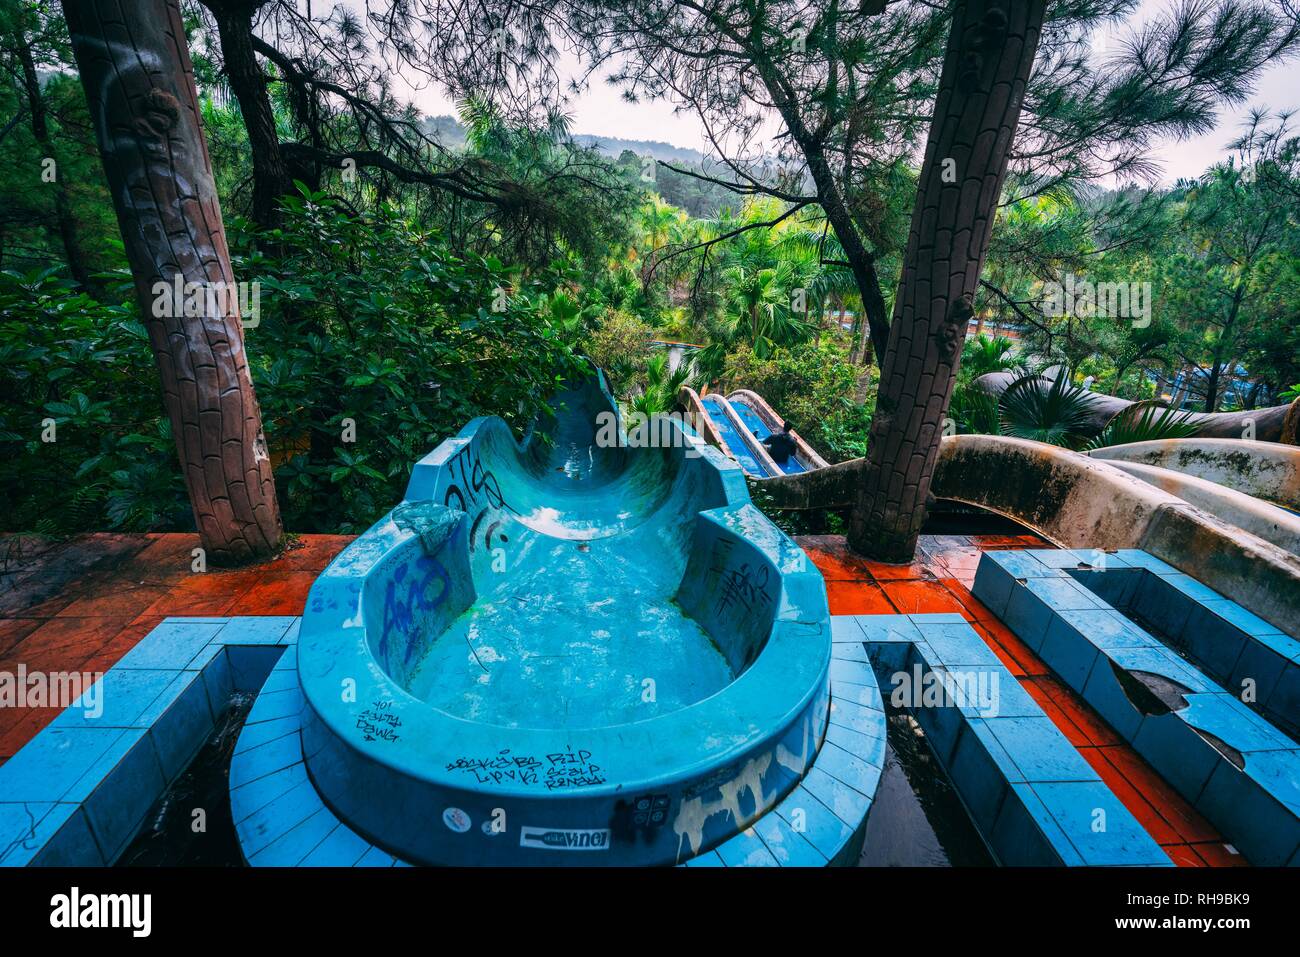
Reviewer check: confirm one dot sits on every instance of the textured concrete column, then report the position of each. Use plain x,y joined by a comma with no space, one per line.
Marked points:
981,90
139,81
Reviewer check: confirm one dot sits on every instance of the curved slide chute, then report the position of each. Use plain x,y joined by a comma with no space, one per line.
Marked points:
739,443
738,423
1279,423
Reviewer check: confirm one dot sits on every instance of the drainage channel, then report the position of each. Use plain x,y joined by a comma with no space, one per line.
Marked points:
190,824
917,819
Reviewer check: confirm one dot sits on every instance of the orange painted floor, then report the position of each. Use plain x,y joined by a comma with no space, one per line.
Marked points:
939,580
81,604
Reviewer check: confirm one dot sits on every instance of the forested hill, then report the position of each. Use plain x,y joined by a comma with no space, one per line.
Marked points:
449,131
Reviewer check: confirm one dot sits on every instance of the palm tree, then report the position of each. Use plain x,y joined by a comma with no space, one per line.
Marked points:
985,354
661,386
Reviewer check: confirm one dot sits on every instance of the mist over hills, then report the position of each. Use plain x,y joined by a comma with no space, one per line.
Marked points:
448,131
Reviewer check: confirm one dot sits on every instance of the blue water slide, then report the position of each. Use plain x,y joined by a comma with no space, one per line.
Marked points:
752,421
740,443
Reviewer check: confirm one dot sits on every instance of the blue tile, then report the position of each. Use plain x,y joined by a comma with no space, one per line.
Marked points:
377,858
847,803
1116,586
1192,588
956,645
260,828
255,630
1060,557
1179,754
1027,615
1161,661
1140,559
254,735
1214,644
992,585
1106,628
284,680
746,849
1233,723
179,723
48,766
26,828
942,726
707,859
853,672
1099,827
845,767
845,628
343,847
1259,665
275,704
1062,594
1104,693
172,645
887,628
1040,751
867,721
1260,825
1284,699
1165,607
816,822
1020,564
980,777
1068,653
259,793
119,790
265,759
845,651
787,847
71,844
1026,834
1008,698
288,661
1245,620
251,664
123,696
293,845
867,697
861,746
218,683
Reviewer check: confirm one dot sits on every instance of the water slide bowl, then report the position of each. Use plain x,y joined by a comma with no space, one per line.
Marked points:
564,651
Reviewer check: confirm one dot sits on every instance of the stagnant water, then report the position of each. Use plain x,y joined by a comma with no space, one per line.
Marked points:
571,644
917,819
173,833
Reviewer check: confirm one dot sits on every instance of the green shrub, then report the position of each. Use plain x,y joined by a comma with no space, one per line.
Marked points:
369,329
827,399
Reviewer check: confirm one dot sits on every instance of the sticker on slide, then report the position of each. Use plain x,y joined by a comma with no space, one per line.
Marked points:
564,839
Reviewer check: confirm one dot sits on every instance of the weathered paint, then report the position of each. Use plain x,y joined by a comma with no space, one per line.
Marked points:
499,671
1266,470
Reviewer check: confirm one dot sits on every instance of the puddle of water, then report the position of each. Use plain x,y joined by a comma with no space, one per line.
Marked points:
917,819
168,837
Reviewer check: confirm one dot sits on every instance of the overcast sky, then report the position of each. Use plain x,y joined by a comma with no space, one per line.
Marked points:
601,111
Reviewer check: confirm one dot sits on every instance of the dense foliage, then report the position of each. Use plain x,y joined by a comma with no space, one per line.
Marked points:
464,275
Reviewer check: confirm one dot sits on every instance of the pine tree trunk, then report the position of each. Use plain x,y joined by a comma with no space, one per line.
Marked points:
271,178
990,52
136,71
69,235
